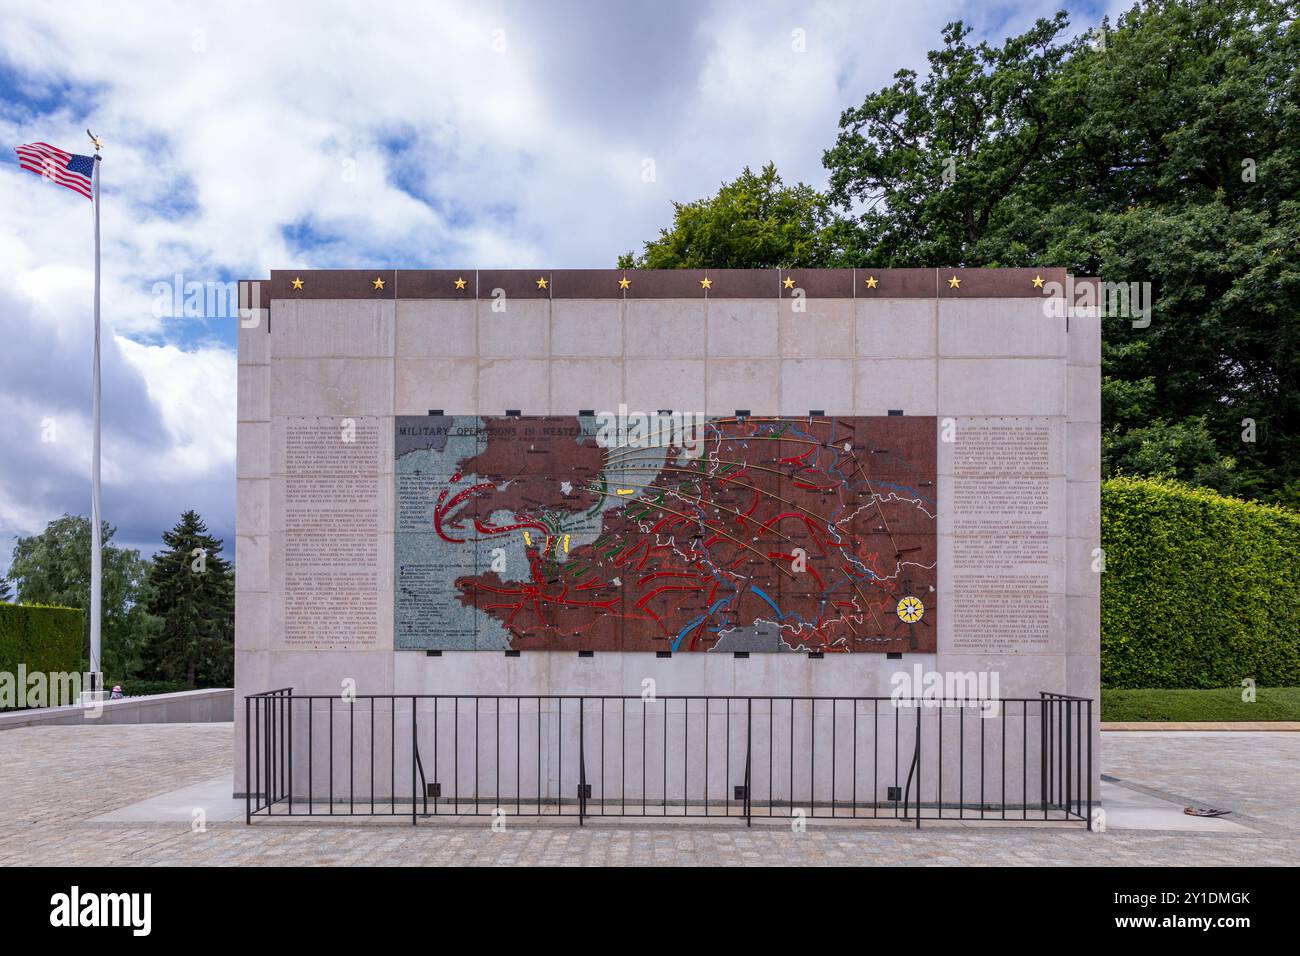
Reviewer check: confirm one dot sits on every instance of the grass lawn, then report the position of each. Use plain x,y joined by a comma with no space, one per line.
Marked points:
1271,703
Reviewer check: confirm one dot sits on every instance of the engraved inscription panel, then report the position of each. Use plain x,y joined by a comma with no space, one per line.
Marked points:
1002,509
331,542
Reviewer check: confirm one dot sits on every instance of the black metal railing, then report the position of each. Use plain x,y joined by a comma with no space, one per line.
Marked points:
583,756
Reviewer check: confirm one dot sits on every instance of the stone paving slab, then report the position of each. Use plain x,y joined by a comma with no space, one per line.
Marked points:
57,780
1252,774
1129,809
212,797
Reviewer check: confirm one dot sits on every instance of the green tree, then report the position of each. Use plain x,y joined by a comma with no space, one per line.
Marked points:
1164,148
753,222
192,592
940,171
1181,450
53,567
6,590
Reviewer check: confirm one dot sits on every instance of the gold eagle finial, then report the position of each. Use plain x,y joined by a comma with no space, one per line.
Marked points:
96,140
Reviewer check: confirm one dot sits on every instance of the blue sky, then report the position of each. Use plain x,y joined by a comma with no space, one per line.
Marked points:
242,137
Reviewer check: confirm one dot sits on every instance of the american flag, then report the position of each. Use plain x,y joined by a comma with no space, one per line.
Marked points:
58,166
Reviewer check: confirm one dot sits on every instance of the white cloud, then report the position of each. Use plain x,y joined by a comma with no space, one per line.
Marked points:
195,391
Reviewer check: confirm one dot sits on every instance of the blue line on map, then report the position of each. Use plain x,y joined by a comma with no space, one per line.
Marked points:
763,594
687,629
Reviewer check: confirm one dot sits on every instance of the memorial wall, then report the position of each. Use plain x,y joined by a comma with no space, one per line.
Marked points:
752,482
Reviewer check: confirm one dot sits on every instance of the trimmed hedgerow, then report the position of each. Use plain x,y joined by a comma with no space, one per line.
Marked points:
1199,590
138,687
45,639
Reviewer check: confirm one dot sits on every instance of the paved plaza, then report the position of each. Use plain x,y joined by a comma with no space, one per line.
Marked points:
124,795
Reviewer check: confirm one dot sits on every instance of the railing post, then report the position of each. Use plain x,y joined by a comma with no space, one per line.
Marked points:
413,753
248,763
749,749
1042,751
918,765
1089,731
1068,748
582,762
289,744
268,728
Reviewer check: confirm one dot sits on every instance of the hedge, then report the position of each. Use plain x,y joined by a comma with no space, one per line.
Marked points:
45,639
140,687
1199,590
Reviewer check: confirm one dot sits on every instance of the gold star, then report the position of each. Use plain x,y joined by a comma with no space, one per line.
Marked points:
1037,281
460,283
872,282
297,282
954,283
541,282
706,283
789,283
379,283
624,282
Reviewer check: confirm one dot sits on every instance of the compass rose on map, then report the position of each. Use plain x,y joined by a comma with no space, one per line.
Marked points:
910,610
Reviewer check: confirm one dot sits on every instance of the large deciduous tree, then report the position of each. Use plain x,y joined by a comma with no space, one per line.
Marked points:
941,170
1164,148
754,222
53,567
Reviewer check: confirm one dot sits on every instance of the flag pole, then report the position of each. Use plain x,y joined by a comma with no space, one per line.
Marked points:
96,545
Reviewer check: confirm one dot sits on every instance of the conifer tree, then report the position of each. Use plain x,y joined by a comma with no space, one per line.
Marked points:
192,592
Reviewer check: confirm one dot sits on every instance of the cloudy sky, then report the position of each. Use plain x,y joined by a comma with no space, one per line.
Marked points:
245,137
